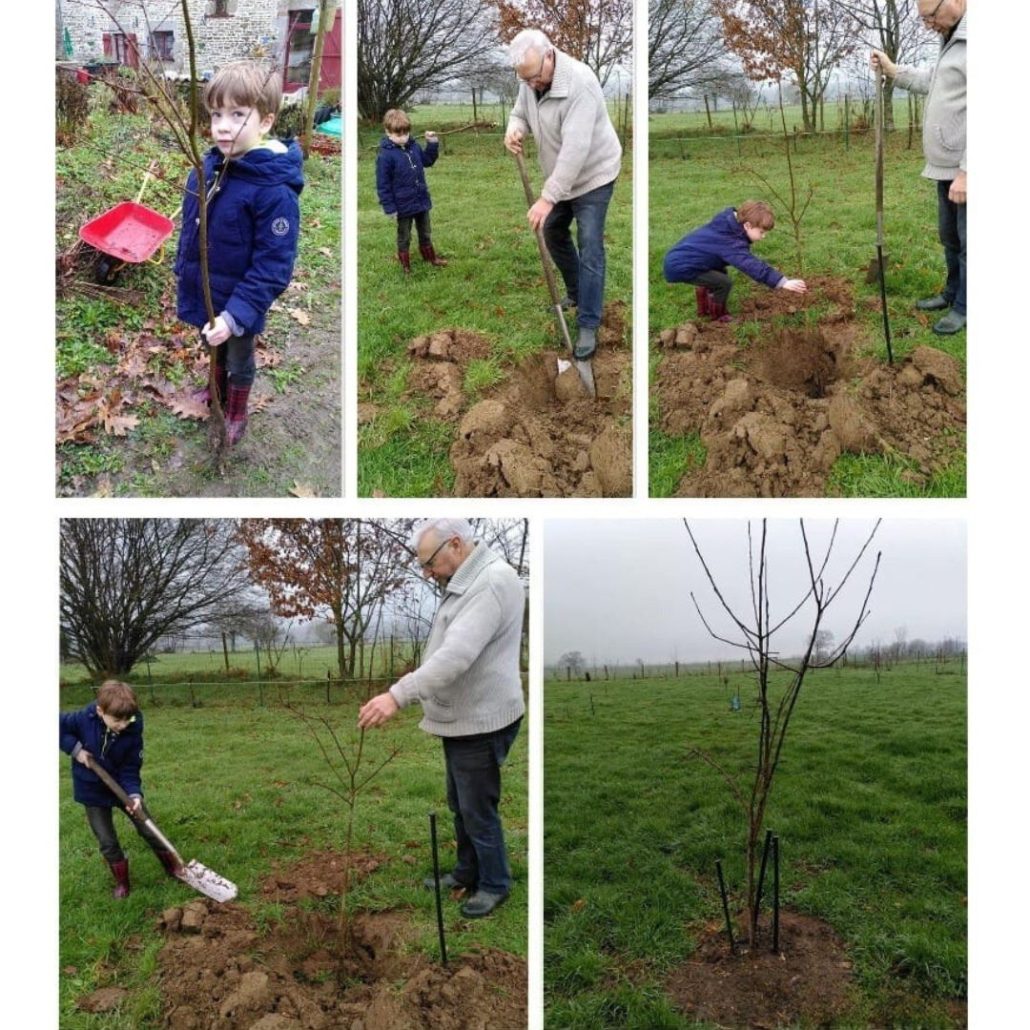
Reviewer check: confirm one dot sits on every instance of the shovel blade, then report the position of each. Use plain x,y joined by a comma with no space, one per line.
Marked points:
207,881
586,373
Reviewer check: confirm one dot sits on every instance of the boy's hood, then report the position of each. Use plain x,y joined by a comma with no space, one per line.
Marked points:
388,144
267,166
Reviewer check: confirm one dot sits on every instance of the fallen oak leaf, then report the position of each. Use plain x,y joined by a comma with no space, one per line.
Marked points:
300,489
260,403
186,405
301,316
119,425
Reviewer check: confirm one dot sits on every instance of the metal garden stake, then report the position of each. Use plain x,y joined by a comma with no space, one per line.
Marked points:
776,894
436,883
761,876
725,906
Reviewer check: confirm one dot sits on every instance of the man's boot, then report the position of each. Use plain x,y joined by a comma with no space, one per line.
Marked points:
481,904
717,310
586,343
702,296
236,413
430,255
120,870
404,257
170,862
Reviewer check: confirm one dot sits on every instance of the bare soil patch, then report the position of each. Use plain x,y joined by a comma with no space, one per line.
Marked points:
807,983
220,971
776,415
538,434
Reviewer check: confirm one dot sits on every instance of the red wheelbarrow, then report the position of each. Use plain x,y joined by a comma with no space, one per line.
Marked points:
128,233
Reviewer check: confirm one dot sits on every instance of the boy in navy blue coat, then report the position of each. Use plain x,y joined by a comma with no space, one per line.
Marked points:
401,183
701,257
253,221
109,733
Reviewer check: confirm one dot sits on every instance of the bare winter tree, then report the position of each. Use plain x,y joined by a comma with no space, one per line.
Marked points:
125,583
685,47
407,46
778,681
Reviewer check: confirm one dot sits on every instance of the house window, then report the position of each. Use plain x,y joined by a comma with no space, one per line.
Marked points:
122,49
221,9
162,45
300,46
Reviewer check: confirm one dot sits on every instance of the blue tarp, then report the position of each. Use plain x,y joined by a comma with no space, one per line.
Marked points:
333,127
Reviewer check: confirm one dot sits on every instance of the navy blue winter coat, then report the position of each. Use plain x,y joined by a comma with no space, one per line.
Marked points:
723,241
253,224
401,176
121,754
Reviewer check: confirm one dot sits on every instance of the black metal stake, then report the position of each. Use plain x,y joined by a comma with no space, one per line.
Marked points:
776,894
436,882
725,906
761,878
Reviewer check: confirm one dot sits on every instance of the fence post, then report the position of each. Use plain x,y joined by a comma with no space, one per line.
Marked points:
736,133
847,134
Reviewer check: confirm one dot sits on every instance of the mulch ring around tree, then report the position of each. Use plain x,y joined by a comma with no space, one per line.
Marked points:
220,970
808,983
537,434
774,416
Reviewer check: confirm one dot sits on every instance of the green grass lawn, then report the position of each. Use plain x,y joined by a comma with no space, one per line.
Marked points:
95,331
692,181
493,285
869,803
233,786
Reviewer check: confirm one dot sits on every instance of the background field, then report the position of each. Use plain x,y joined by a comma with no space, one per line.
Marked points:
694,174
870,805
231,783
493,285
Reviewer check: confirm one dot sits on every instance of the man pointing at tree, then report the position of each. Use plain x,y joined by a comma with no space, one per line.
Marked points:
471,695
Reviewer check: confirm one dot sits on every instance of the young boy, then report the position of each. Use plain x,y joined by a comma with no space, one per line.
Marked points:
109,733
401,183
701,257
253,219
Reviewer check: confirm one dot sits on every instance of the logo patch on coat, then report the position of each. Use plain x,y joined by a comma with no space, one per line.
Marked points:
280,227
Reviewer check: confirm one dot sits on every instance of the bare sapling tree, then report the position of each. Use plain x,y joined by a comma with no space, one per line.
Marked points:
755,632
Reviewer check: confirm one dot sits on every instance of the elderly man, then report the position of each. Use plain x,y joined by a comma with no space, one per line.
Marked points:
560,102
944,146
471,695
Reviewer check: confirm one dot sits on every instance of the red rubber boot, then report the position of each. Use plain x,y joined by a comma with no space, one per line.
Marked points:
702,296
404,257
236,413
121,878
171,864
717,311
430,255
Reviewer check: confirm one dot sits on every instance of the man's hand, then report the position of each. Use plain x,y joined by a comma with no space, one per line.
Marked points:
83,757
957,189
216,332
879,61
795,286
538,213
377,711
513,141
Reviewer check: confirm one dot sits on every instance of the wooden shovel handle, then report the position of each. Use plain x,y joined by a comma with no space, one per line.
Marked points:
545,259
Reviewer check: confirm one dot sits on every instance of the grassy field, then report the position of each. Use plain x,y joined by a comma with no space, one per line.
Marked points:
117,344
690,181
870,805
232,786
493,285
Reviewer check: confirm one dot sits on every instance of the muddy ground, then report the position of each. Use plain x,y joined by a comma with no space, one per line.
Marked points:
775,415
537,434
219,970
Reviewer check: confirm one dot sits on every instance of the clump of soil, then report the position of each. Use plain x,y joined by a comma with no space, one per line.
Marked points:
808,982
538,434
219,971
774,417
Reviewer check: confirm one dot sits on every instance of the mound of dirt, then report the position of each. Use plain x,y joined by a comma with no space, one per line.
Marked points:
808,982
538,434
774,417
219,971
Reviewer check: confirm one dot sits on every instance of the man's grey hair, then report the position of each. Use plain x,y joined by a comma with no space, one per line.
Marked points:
526,40
444,530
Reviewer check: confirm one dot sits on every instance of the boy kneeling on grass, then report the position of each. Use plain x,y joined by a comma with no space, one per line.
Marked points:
253,220
109,733
701,257
401,184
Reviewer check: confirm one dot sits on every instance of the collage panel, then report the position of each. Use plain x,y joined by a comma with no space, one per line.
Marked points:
755,773
330,805
494,250
807,249
198,330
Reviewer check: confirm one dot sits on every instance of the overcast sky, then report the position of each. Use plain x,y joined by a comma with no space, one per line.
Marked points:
619,589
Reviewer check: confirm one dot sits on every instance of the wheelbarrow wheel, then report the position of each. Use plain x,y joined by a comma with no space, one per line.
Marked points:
106,271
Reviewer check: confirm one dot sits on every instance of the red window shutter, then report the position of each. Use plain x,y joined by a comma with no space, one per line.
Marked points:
108,46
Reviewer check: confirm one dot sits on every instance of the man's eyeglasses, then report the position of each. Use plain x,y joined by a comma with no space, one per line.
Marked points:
928,18
543,61
427,565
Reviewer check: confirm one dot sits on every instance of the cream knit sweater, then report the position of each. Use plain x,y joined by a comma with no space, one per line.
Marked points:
469,681
577,144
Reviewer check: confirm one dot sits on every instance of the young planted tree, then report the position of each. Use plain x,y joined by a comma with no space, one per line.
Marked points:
778,680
